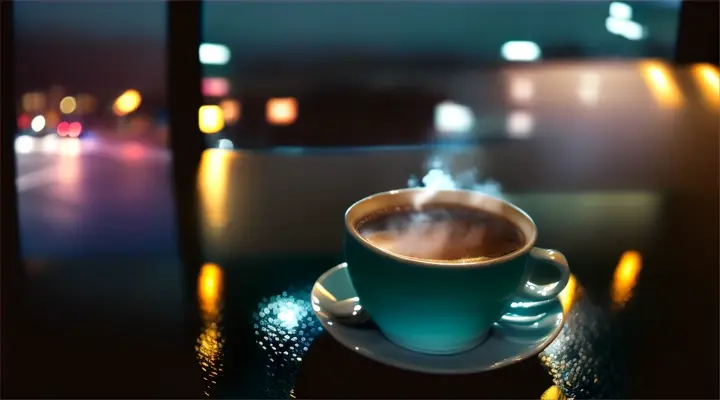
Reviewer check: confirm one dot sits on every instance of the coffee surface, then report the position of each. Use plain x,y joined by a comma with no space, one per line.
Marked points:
442,233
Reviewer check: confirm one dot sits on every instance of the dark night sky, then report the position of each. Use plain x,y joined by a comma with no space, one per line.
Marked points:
106,46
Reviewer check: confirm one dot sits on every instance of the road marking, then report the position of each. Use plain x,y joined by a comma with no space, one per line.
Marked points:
36,179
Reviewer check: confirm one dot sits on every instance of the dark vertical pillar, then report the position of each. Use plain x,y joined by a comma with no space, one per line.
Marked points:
184,98
698,39
12,273
12,279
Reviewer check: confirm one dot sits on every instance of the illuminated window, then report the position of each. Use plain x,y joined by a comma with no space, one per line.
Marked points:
281,111
210,119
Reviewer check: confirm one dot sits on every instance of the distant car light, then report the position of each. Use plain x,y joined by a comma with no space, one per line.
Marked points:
38,123
74,129
63,128
128,102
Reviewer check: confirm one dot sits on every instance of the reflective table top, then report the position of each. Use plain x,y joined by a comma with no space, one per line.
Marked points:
620,173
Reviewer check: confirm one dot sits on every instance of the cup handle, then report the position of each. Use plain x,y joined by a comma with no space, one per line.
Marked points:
535,292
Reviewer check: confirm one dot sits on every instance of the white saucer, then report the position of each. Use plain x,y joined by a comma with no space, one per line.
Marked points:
513,339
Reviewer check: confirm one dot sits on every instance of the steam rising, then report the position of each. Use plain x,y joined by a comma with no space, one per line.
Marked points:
436,233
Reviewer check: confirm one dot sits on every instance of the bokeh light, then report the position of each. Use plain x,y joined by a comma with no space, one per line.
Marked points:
24,144
520,51
62,128
210,344
210,119
74,129
451,117
625,278
214,54
68,105
215,87
226,144
23,121
128,102
707,78
520,124
284,327
662,84
38,123
231,110
281,111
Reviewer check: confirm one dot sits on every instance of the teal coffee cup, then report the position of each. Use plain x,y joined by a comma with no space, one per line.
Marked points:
444,307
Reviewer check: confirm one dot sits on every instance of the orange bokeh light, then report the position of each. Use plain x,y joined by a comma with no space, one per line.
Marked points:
281,111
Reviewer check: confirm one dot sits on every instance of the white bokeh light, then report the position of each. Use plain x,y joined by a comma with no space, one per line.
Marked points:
226,144
38,123
620,10
453,118
520,124
24,144
518,50
214,54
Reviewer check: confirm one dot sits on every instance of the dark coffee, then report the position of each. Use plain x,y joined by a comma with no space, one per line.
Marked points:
442,232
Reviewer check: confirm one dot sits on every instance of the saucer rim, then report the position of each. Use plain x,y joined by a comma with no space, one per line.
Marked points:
388,361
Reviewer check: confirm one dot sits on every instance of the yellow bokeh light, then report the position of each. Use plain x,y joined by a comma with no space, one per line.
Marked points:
231,110
213,180
707,78
210,119
282,111
210,343
128,102
662,84
68,105
210,286
625,278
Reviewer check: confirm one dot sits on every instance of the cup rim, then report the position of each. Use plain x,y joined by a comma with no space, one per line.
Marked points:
478,263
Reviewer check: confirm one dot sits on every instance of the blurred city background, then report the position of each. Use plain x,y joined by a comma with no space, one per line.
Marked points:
92,124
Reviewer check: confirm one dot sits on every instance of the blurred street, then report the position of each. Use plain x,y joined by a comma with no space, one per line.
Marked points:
88,196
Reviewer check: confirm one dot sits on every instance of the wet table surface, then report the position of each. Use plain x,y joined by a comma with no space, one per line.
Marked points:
626,187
